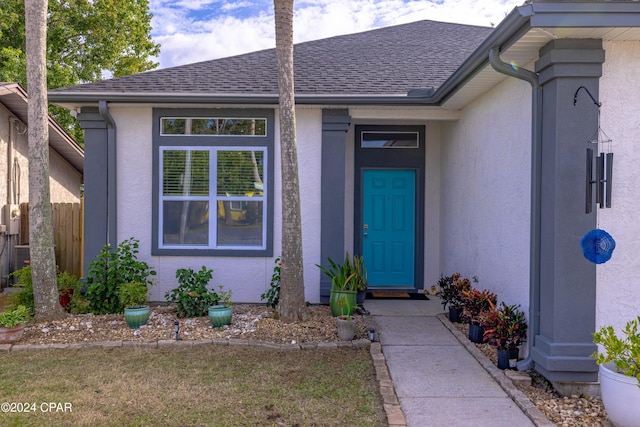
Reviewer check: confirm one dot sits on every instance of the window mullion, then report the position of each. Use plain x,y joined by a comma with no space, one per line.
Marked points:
213,198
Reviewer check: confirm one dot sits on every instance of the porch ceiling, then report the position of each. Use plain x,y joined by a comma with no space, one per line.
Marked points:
525,51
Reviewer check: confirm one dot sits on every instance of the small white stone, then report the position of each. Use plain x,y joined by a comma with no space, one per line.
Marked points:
72,328
45,330
293,341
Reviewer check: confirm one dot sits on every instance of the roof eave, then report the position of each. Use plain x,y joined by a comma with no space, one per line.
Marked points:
59,139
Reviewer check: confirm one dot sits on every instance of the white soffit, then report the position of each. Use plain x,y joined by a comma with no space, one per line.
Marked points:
525,51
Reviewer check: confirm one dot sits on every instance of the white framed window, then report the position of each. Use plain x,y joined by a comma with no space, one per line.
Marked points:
212,197
212,191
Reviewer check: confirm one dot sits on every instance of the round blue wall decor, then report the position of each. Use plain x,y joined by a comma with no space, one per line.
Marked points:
597,246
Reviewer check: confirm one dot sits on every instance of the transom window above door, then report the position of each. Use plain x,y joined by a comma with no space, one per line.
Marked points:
380,139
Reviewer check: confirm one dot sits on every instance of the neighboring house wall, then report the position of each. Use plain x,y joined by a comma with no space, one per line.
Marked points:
618,298
65,182
485,200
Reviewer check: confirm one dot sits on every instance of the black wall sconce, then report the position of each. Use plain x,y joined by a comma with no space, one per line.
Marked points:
603,168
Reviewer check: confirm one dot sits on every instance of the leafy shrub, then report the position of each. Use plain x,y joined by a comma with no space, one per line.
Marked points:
272,295
475,302
25,295
451,288
192,298
12,318
623,352
109,269
132,294
505,327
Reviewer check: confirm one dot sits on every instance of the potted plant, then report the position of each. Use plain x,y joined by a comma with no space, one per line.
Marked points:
343,285
133,295
505,328
12,324
475,302
345,323
68,286
620,372
221,312
451,288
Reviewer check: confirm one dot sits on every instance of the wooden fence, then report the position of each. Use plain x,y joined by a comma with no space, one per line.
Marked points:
68,232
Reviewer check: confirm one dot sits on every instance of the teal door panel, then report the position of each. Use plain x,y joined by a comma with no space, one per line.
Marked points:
388,227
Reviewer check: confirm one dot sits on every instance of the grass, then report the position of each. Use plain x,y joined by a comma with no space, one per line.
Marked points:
197,386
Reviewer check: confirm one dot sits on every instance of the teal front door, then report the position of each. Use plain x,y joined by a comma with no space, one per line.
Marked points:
388,227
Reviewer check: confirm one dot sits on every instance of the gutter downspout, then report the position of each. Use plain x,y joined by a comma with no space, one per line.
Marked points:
112,235
536,179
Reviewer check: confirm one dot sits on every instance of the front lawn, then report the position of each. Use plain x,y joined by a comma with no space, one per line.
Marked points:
204,385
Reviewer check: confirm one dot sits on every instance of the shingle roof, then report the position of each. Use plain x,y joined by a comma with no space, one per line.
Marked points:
390,60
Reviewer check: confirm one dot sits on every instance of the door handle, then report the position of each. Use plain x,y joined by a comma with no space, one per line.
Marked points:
366,234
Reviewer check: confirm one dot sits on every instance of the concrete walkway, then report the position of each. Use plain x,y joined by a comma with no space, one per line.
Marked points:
437,379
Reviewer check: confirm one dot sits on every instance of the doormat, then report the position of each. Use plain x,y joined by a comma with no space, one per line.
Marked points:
396,295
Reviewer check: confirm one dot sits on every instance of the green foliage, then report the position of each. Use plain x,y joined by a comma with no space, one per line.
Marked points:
451,288
25,295
360,272
192,298
64,281
111,268
272,295
505,327
84,39
12,318
78,304
67,280
350,276
132,294
623,352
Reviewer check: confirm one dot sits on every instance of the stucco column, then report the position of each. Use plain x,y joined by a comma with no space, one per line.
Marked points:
95,183
335,124
562,348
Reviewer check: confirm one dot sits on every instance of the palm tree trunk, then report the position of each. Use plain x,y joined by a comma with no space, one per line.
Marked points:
292,301
43,265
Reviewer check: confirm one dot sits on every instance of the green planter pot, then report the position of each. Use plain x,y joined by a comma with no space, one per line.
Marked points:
136,316
339,300
220,315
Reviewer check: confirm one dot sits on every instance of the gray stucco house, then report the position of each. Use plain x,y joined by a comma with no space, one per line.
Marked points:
428,147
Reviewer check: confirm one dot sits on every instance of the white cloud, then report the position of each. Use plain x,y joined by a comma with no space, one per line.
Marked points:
197,30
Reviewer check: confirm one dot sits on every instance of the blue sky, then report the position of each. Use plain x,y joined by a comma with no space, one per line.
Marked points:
198,30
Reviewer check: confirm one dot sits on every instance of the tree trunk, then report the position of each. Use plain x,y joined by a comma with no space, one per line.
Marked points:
292,301
42,256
